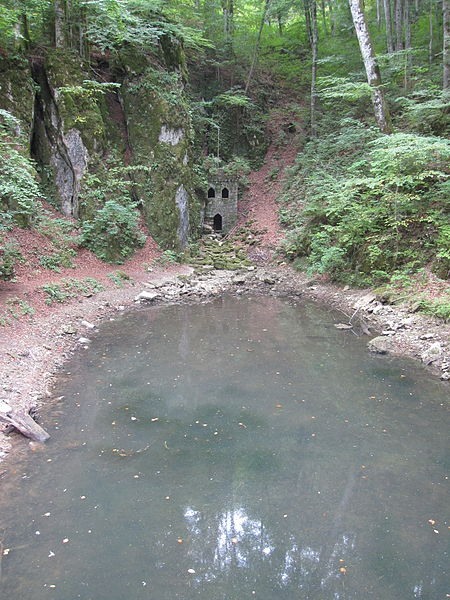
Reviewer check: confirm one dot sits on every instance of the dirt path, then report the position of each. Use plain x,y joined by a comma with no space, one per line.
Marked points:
259,203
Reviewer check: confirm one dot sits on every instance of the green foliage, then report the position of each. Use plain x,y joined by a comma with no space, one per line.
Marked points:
55,261
359,209
119,277
168,257
18,306
113,233
70,288
9,255
19,190
343,88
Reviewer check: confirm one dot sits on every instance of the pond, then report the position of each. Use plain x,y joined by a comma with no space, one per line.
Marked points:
242,448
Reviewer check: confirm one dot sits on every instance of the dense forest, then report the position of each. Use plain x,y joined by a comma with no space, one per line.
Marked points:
116,112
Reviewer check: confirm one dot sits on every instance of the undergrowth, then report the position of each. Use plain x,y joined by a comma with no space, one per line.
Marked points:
361,206
70,288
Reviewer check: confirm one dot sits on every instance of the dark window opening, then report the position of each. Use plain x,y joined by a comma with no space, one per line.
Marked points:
225,193
211,193
217,222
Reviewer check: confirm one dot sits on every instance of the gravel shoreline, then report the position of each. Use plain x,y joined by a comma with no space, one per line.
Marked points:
33,353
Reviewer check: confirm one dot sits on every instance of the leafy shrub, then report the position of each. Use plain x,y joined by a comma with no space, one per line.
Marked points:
19,189
168,257
118,277
69,288
360,209
17,307
54,261
9,255
113,234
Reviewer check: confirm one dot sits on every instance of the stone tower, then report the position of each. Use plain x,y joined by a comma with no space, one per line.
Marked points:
221,203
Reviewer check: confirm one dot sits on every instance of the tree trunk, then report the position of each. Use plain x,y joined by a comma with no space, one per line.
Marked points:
430,42
408,55
228,20
21,420
387,18
446,45
315,39
324,16
398,24
257,45
378,14
307,11
381,110
332,18
59,23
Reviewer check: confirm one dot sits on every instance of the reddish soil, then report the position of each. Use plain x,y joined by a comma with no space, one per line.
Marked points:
260,201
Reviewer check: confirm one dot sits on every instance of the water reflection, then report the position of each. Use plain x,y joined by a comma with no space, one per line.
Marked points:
273,459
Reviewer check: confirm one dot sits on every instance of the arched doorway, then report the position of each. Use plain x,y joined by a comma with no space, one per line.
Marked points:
225,193
217,222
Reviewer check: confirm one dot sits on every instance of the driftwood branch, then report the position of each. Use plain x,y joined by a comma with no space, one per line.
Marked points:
23,422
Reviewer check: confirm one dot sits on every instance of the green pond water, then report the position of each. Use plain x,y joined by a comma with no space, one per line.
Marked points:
232,450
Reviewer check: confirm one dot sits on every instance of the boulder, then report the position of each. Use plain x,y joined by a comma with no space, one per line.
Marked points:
381,344
147,296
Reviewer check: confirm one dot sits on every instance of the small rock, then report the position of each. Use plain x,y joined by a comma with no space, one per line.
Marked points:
445,376
251,268
407,322
364,301
147,296
68,329
381,344
432,353
388,332
376,309
87,324
239,279
83,340
426,336
343,326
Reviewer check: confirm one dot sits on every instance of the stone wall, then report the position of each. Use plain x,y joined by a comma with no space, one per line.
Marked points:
221,206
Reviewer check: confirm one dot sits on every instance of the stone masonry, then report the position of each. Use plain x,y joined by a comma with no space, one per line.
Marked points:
221,203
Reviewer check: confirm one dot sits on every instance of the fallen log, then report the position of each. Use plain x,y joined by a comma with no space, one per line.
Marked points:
23,422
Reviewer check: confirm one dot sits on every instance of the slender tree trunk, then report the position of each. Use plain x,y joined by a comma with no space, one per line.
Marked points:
430,25
307,10
332,18
324,16
315,40
280,22
381,110
378,14
228,24
388,20
408,55
398,24
59,23
257,45
446,45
